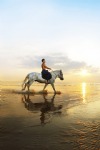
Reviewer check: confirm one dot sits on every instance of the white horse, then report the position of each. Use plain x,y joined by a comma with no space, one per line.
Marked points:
34,76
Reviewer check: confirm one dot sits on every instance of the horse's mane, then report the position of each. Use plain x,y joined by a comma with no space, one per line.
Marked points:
55,70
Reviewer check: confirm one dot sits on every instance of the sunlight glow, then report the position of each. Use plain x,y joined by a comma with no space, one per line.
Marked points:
84,72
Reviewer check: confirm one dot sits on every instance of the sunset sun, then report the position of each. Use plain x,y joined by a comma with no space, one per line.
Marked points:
84,72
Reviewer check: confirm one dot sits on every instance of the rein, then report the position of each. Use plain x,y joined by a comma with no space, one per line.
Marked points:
53,72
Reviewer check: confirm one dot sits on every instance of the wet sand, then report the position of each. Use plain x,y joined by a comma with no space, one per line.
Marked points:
66,121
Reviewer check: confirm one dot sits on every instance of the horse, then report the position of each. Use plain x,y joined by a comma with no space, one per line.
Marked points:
34,76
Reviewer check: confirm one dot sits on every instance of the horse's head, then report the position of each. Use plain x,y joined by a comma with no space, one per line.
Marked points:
60,75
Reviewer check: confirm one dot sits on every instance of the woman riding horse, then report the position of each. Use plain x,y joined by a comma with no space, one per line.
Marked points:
45,73
49,77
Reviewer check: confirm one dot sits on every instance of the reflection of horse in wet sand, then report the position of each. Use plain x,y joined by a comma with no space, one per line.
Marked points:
34,76
45,107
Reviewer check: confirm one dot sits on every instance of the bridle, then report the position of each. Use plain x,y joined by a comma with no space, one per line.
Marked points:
54,73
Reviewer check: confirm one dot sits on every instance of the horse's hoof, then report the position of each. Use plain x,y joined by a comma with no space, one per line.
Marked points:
44,92
57,92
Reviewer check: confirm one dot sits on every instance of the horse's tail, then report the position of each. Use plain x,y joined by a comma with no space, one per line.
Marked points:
26,78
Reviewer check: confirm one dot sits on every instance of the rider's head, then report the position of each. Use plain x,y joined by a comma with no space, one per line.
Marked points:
43,60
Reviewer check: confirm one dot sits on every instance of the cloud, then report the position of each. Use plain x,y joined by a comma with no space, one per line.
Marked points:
55,61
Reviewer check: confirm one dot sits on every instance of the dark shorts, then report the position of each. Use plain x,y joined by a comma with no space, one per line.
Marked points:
46,75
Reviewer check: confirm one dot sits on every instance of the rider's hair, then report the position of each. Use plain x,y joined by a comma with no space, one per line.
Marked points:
42,59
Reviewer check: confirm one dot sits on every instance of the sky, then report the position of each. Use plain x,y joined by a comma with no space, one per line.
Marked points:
64,32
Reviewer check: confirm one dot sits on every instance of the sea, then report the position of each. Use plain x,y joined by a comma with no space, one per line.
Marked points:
67,120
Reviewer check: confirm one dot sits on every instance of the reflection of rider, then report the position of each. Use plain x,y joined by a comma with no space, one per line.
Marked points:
45,74
45,107
49,106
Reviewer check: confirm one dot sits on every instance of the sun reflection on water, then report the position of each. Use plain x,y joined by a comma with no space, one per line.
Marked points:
84,92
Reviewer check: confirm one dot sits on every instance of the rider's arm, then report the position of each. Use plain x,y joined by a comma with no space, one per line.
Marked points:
46,67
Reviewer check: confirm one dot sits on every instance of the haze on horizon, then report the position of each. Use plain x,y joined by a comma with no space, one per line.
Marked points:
65,33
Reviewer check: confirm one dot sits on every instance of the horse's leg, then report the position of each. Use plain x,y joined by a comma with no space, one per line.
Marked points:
45,86
28,84
24,86
52,84
28,87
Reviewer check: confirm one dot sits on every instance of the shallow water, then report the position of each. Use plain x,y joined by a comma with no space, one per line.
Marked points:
66,121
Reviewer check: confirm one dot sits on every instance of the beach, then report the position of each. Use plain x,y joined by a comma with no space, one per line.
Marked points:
66,121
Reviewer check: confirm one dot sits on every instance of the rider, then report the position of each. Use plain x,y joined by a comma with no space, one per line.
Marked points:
45,73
